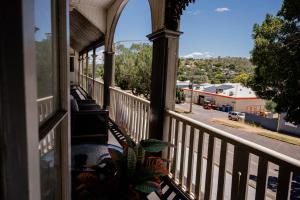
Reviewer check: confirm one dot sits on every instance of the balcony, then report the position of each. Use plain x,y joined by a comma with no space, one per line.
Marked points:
205,162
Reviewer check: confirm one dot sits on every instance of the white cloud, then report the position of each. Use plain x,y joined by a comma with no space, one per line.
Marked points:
194,13
199,55
221,10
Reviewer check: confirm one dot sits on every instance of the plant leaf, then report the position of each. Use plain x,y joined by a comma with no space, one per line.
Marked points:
131,161
148,187
153,145
140,154
156,166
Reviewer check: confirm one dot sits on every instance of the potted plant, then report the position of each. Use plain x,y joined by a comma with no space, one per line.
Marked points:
140,167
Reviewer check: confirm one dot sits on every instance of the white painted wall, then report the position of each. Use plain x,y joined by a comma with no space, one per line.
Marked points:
239,105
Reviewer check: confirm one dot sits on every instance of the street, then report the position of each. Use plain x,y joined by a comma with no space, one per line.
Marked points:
206,116
203,115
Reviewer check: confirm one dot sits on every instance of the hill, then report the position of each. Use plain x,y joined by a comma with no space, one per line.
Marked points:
215,70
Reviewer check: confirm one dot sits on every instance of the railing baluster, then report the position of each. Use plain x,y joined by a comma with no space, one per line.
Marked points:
136,121
123,101
199,165
239,185
148,121
209,168
117,100
190,161
284,183
169,140
140,121
143,121
182,155
222,170
128,115
124,112
261,178
131,116
176,135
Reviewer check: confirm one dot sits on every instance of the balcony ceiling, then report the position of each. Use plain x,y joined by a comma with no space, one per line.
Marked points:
83,33
95,3
88,20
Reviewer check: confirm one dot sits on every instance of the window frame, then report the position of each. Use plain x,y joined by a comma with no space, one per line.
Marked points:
18,107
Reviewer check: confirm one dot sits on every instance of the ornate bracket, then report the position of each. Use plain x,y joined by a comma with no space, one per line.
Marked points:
174,10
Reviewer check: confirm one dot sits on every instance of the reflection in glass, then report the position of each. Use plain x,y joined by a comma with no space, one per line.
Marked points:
45,59
48,167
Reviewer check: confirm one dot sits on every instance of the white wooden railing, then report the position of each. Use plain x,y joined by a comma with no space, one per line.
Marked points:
131,113
45,107
83,82
98,92
209,163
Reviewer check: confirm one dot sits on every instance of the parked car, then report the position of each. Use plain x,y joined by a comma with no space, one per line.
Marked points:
236,116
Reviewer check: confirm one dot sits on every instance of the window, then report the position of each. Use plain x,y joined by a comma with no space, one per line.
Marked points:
46,33
46,59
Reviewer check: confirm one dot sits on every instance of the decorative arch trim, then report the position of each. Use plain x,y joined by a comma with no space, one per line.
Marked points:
113,15
174,9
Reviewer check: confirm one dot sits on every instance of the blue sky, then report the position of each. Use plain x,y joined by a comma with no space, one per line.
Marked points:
211,27
42,18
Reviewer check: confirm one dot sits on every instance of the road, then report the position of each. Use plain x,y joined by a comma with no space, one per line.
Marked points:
205,116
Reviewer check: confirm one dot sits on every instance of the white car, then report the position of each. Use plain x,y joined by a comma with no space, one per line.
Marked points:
236,116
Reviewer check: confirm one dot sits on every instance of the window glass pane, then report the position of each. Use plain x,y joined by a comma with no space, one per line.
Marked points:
45,42
49,166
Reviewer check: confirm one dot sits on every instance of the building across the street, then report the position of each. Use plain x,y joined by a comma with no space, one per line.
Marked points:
234,95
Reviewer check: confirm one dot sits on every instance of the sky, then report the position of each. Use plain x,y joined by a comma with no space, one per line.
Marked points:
210,28
42,18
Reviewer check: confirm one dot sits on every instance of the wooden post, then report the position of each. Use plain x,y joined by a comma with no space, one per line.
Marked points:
82,68
163,79
108,78
94,66
79,68
87,72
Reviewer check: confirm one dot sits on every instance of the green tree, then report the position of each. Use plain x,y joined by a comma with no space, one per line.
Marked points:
277,56
271,106
99,71
45,69
133,68
242,78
